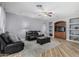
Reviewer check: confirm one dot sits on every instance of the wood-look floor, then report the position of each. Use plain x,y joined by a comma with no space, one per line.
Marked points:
65,49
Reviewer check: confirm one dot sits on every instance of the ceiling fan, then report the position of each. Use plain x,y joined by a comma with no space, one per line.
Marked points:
46,13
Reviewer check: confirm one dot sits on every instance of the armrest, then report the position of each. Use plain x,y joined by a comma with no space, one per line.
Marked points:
16,46
41,35
18,42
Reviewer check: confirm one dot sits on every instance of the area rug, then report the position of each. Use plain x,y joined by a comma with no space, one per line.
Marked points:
32,49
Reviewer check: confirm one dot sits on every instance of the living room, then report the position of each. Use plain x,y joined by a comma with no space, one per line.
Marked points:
33,29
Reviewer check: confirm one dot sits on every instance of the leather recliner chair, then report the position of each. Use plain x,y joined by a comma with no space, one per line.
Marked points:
7,46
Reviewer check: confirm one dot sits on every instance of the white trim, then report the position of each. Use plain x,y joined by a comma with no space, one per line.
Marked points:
73,41
3,17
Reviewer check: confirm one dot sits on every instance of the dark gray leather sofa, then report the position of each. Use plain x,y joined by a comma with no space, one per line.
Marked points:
7,46
32,35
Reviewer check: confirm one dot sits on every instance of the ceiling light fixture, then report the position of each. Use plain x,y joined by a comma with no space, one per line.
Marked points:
46,13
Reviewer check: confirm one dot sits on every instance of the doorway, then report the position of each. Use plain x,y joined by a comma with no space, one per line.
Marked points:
60,30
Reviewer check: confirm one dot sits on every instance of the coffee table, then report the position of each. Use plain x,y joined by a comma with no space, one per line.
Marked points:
43,40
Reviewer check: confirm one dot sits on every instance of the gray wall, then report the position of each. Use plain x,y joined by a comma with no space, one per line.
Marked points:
15,24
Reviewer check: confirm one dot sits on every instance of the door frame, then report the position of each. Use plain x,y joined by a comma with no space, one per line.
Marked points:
3,19
64,31
67,27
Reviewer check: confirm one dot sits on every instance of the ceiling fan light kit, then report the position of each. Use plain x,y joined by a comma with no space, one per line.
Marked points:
48,13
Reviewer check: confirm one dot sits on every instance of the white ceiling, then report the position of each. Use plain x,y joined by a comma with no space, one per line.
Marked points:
61,9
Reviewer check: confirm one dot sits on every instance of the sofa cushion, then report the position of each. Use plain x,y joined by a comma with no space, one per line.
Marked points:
6,38
2,44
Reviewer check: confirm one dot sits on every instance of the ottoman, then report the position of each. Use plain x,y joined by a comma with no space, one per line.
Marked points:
43,40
